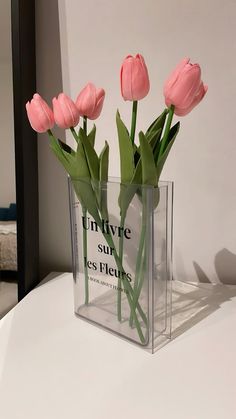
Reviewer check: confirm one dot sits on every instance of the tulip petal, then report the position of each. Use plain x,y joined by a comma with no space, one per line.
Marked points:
140,79
199,96
58,114
175,74
190,81
46,109
39,114
98,109
69,111
86,100
184,88
126,79
134,80
100,93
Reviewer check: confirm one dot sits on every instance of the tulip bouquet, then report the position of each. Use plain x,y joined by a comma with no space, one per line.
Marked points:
141,161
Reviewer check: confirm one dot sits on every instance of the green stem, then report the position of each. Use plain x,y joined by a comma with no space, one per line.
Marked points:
111,243
50,134
85,248
167,130
126,284
85,124
134,119
121,252
139,270
128,289
74,134
125,281
139,287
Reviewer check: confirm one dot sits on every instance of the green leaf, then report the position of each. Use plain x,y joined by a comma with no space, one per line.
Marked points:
136,156
128,191
93,165
80,168
103,178
92,136
86,196
137,178
60,154
156,152
157,124
66,147
173,133
91,155
149,176
153,138
82,182
136,153
104,163
126,151
170,141
76,166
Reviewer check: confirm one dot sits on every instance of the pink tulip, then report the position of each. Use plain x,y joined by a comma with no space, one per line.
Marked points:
134,80
65,111
90,101
184,88
39,114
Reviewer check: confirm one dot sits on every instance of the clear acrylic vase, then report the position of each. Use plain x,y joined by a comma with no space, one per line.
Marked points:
122,258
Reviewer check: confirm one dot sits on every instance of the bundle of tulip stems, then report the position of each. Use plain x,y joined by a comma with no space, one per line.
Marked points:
139,164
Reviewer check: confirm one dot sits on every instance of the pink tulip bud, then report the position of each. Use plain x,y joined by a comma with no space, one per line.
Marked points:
184,88
90,101
134,80
65,111
39,114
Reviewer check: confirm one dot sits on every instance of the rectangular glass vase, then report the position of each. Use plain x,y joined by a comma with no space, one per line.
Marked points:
122,258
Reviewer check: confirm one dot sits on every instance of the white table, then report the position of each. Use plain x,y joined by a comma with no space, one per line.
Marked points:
56,366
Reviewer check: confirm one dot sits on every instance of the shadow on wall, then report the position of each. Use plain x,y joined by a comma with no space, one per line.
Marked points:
193,302
54,227
225,266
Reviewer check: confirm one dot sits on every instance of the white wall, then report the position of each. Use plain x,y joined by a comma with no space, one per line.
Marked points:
7,150
95,37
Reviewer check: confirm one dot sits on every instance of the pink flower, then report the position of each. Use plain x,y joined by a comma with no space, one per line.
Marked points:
39,114
65,111
134,80
90,101
184,88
